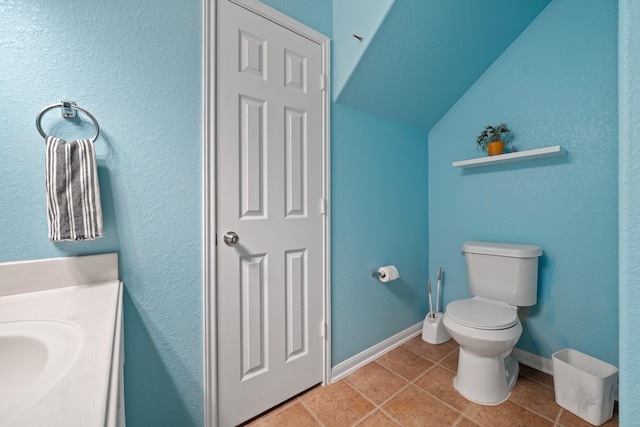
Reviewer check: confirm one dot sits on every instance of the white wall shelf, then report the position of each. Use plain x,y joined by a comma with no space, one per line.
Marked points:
518,156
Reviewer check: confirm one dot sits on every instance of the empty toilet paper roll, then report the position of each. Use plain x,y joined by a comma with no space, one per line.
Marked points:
388,273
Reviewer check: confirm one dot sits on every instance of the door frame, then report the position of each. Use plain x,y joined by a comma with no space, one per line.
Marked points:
209,251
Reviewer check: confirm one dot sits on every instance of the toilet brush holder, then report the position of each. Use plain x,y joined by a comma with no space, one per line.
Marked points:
433,331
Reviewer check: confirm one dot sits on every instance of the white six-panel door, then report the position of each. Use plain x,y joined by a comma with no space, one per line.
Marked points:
269,192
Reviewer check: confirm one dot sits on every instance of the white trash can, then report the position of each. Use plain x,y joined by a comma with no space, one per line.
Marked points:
584,385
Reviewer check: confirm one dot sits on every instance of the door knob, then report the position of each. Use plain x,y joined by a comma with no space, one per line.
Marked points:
230,238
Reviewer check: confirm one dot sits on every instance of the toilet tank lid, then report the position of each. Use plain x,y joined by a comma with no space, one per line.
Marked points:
502,249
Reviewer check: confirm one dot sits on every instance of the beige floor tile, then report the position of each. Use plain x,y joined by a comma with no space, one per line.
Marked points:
535,396
293,415
439,382
376,382
414,407
435,353
537,376
259,420
466,422
378,419
431,400
405,363
507,414
451,361
337,405
567,419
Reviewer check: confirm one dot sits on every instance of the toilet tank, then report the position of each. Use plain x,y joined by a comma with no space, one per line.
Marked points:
503,272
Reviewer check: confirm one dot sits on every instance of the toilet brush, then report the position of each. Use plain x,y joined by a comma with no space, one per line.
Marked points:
438,290
433,330
431,316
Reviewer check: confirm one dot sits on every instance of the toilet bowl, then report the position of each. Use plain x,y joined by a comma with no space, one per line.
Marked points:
486,331
502,277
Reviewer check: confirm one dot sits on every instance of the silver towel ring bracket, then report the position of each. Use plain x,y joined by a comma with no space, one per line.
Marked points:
68,108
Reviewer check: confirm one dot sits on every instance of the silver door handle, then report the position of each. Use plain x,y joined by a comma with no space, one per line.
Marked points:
230,238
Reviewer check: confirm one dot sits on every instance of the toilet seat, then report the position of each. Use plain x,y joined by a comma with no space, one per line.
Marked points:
481,313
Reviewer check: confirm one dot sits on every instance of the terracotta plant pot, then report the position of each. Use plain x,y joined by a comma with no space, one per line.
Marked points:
495,147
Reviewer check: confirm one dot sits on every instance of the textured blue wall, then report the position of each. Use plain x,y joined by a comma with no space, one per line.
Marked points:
137,67
379,217
629,110
555,85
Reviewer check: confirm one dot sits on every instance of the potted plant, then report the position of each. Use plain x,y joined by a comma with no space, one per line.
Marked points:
494,138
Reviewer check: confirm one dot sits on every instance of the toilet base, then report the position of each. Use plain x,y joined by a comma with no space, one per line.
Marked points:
486,380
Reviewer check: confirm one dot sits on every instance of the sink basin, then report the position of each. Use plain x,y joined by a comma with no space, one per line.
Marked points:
61,342
34,356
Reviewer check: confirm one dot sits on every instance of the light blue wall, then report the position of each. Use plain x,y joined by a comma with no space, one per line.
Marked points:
629,191
555,85
136,67
379,216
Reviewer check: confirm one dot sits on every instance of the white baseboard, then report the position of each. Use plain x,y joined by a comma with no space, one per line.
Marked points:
343,369
533,360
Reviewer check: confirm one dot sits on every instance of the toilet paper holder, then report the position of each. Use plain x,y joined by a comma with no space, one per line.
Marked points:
386,273
376,273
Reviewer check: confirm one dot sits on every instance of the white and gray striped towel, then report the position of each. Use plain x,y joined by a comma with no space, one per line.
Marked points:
73,192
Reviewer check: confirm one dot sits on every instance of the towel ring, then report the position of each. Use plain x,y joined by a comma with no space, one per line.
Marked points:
66,106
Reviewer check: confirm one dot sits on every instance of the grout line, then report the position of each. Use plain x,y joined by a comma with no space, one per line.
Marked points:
405,378
466,411
390,397
461,412
430,360
313,414
375,405
532,411
385,368
379,407
437,362
458,421
396,393
423,374
384,411
375,408
557,423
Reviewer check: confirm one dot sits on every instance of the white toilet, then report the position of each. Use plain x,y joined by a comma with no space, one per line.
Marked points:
502,277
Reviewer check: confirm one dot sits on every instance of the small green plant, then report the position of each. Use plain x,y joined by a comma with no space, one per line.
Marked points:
500,132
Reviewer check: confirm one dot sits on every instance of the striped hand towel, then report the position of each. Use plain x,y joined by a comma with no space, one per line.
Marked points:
73,193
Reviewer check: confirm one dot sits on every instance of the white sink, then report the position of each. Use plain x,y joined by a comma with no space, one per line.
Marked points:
61,343
34,356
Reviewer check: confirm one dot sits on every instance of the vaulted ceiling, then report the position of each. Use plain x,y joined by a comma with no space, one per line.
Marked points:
425,54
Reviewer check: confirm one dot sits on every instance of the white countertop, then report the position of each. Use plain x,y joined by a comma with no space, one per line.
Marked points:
80,396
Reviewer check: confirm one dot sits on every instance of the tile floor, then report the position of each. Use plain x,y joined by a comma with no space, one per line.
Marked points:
412,386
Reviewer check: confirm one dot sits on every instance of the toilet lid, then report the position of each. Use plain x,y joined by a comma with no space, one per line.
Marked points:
482,314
